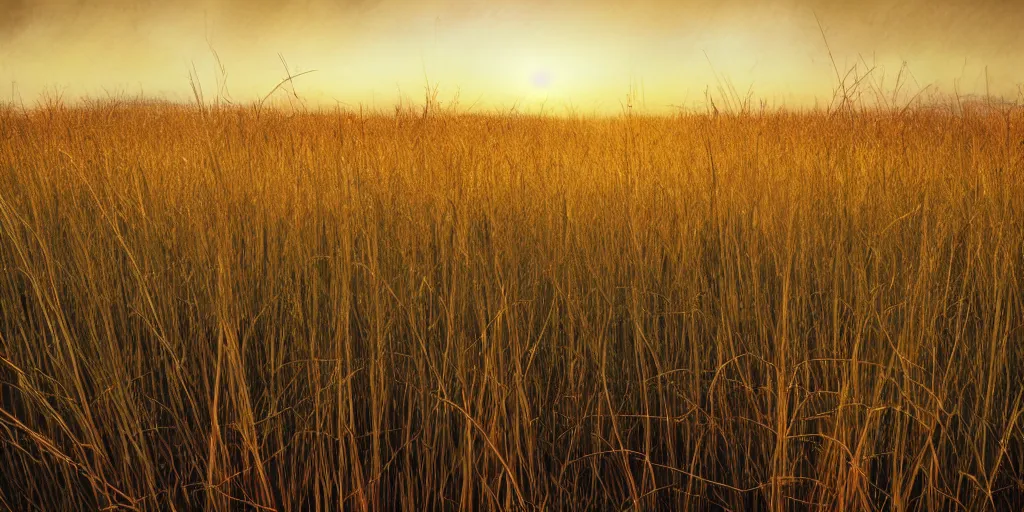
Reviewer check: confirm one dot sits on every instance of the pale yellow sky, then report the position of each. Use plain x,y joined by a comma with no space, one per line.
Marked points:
503,52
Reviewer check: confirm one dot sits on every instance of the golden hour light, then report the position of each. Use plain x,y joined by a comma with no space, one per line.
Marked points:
503,52
514,255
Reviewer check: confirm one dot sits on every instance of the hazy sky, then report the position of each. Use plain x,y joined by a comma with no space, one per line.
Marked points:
497,52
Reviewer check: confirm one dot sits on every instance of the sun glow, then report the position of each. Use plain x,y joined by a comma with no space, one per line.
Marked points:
541,78
526,53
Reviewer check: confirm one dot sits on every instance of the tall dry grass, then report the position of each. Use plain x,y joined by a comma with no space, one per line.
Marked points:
238,309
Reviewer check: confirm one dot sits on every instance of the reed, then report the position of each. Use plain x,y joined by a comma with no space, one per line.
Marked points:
235,308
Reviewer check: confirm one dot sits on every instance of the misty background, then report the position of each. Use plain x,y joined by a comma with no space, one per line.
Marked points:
496,53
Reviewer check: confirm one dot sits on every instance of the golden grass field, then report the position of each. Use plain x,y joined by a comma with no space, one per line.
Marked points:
233,309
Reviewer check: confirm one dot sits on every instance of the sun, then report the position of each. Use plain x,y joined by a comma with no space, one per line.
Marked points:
541,78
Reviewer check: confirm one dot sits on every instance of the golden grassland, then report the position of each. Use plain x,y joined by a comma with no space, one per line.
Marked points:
229,308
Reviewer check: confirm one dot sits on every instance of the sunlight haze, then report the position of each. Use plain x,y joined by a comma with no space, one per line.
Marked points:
495,54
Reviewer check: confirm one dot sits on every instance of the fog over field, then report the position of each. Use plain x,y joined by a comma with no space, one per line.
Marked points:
499,53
